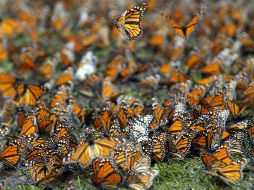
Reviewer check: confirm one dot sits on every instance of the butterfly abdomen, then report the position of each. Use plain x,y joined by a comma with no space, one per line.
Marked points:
184,29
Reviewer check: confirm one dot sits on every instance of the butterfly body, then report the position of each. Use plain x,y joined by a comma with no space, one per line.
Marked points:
184,30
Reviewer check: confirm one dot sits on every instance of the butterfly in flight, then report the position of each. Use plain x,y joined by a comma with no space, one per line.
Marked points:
185,30
129,23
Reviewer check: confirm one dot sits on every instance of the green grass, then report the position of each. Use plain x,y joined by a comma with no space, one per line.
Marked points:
183,174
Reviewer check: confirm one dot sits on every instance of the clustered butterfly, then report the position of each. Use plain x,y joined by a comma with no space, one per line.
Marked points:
111,118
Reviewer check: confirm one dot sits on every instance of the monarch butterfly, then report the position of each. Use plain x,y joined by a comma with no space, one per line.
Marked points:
122,114
184,31
37,149
28,17
129,23
107,90
114,67
24,141
43,116
156,146
151,81
10,155
220,164
138,128
129,158
79,112
10,26
21,117
136,108
198,127
195,94
210,140
236,143
199,142
104,174
239,126
214,101
7,118
230,174
65,78
176,128
213,138
157,40
29,127
234,109
165,69
104,121
28,93
182,145
225,134
193,60
130,69
206,80
26,60
116,131
92,80
62,140
3,52
221,156
7,85
46,71
60,97
141,180
248,96
86,151
169,109
45,168
212,69
159,115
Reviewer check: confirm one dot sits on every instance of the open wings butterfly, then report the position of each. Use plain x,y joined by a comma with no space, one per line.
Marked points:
185,30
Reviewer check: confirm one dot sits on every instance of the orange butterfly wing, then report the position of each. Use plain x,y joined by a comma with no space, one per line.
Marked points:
177,27
11,155
191,25
7,85
104,175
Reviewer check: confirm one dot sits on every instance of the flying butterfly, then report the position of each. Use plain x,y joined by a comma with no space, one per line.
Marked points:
129,23
186,30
